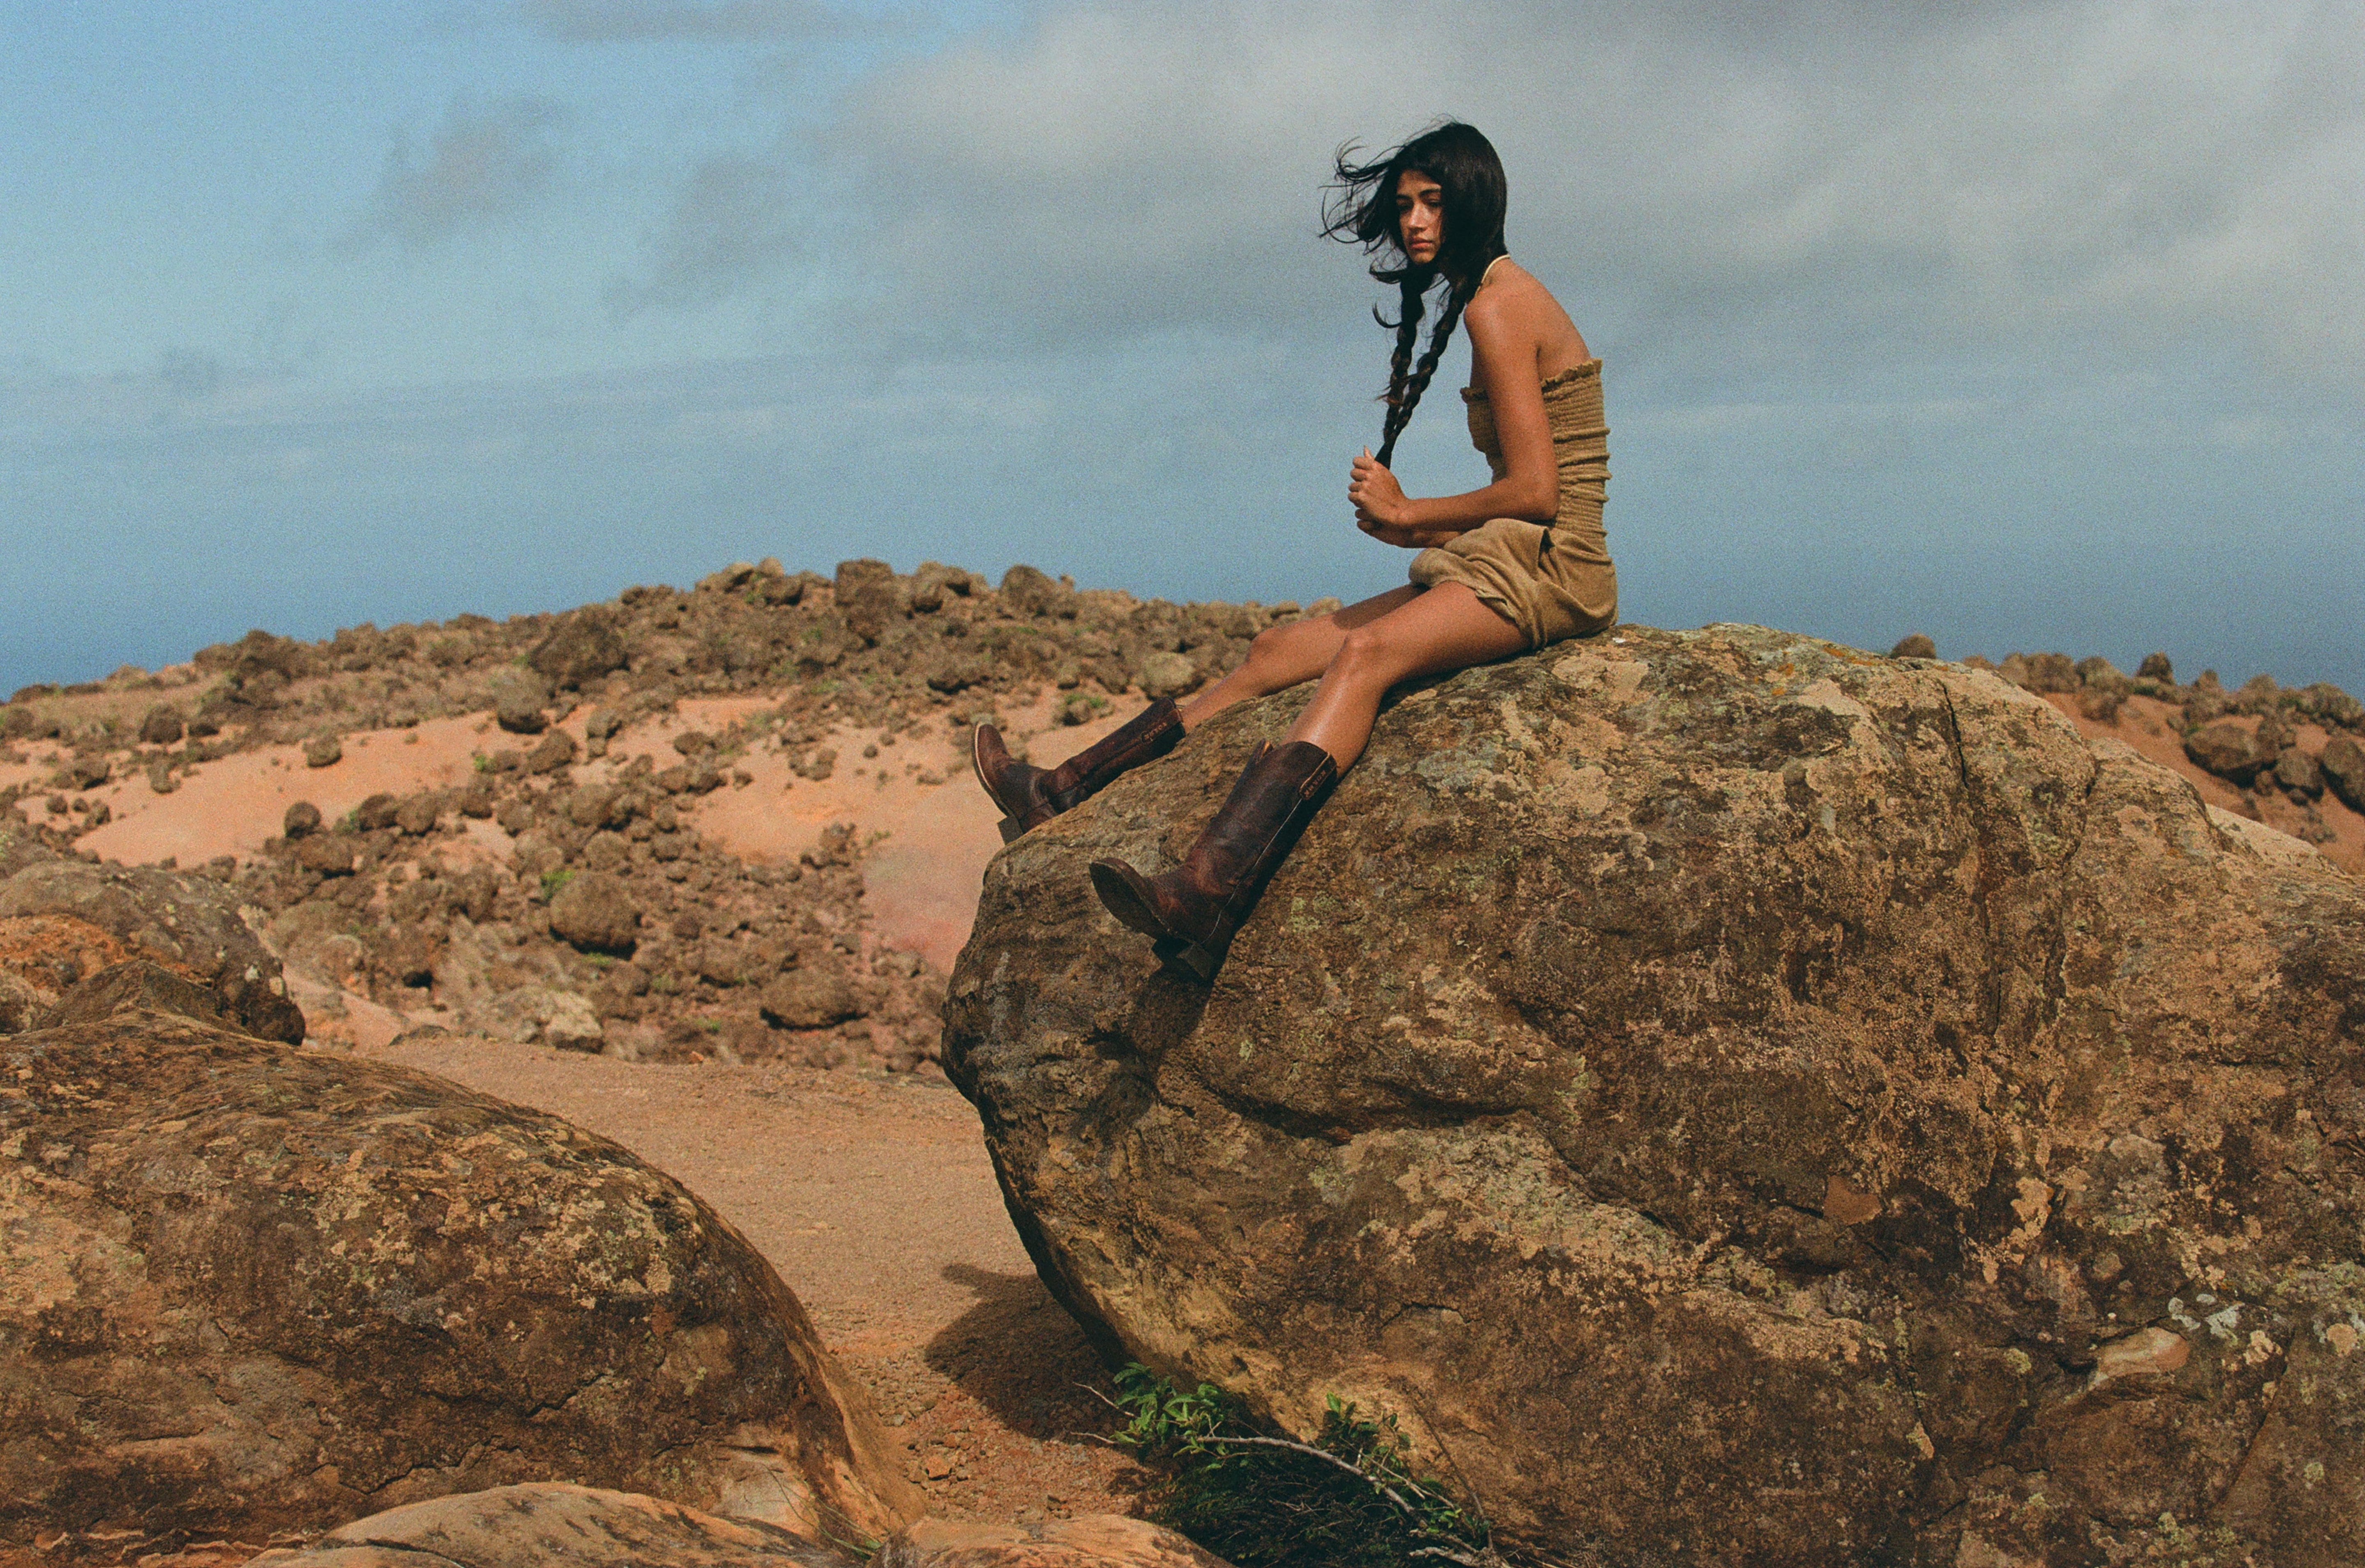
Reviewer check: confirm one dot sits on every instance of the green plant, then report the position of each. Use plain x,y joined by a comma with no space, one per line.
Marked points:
553,880
480,762
1351,1499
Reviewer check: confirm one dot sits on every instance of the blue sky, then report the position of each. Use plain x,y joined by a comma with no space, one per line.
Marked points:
2027,325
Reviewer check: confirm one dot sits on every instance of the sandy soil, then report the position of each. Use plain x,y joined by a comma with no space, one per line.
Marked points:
874,1199
931,829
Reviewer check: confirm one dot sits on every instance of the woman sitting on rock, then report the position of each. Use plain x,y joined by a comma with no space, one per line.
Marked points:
1516,565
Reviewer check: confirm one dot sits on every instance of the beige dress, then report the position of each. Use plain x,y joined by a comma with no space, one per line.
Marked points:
1551,581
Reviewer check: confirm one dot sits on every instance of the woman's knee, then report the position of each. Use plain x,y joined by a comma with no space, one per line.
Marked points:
1368,654
1290,647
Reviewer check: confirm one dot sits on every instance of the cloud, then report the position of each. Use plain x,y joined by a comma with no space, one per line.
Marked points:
485,163
1821,184
731,222
592,21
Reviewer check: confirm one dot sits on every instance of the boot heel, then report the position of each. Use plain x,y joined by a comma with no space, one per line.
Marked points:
1125,893
1198,959
1013,829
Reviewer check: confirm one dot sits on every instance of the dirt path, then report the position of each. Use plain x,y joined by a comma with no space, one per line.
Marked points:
874,1199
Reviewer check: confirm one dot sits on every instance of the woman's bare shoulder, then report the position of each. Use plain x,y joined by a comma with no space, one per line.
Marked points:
1511,301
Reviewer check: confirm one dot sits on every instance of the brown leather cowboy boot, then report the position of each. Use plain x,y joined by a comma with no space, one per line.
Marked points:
1032,796
1193,910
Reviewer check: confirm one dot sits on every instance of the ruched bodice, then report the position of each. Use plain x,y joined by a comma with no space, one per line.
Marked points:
1580,443
1550,581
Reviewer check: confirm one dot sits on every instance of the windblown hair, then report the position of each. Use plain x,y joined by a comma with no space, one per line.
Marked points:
1361,210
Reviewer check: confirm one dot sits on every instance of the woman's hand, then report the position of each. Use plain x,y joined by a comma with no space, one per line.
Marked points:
1382,511
1379,501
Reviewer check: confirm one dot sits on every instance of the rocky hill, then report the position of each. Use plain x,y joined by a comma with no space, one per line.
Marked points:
557,885
659,826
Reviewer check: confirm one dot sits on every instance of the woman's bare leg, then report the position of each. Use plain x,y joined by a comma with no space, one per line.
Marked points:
1283,655
1444,628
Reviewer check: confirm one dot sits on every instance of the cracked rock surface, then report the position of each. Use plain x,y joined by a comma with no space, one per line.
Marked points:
247,1289
1737,1100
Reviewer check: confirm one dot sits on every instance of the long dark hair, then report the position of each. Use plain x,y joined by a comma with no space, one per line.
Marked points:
1361,210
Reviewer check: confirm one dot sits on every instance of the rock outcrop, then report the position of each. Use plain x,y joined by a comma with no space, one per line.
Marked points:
62,919
1736,1100
533,1526
246,1289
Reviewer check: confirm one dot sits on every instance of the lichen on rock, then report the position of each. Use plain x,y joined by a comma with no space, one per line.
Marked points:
1730,1092
246,1289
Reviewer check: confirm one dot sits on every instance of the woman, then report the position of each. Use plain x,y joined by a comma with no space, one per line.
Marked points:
1515,564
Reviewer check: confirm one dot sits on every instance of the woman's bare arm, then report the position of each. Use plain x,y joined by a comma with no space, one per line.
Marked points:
1503,348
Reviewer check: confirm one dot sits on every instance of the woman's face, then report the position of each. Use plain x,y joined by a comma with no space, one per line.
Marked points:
1420,216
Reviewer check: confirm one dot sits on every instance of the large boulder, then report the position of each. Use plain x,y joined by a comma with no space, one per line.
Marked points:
189,924
247,1290
1735,1100
536,1525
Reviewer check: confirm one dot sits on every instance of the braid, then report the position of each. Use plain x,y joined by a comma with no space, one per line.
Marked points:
1405,388
1408,326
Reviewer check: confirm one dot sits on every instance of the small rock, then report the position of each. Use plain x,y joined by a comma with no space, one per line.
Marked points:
2226,749
812,997
2343,763
865,597
595,912
2051,672
324,751
558,750
2301,774
584,646
325,854
161,726
571,1023
1030,594
519,700
1165,675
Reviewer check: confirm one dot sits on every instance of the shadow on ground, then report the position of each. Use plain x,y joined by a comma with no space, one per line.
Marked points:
1018,1354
